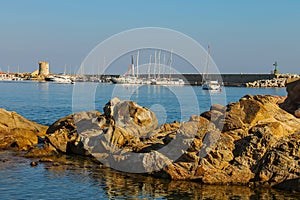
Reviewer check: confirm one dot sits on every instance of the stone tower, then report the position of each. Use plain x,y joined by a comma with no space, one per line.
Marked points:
43,68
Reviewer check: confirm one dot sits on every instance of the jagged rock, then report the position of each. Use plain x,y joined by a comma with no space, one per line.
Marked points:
233,156
18,132
281,162
63,134
292,102
135,119
252,141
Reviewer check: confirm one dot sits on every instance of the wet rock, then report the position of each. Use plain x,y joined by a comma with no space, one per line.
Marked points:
17,132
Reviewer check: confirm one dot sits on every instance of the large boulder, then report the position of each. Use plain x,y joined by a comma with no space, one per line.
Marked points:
64,136
18,132
133,118
292,102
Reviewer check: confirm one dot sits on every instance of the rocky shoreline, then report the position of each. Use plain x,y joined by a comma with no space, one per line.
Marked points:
279,81
253,142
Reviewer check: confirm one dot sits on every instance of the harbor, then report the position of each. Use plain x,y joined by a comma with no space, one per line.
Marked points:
235,80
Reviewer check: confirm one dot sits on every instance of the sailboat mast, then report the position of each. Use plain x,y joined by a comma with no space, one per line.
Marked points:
132,65
164,68
171,61
154,68
137,64
149,66
204,76
158,74
65,71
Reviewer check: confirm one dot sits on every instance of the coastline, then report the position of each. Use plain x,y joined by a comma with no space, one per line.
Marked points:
226,166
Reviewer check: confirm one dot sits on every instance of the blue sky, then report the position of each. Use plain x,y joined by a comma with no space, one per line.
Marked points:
245,36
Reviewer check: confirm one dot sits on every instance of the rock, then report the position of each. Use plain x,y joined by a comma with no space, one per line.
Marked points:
250,142
135,119
33,164
63,134
252,127
281,162
297,113
292,102
18,132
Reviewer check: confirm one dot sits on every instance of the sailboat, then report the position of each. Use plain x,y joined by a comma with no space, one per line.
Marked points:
208,84
164,80
131,78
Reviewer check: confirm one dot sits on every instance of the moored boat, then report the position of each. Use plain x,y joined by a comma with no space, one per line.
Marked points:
211,85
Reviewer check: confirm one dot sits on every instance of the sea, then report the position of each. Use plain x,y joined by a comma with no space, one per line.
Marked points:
46,102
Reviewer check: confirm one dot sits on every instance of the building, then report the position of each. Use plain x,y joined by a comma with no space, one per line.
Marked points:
43,68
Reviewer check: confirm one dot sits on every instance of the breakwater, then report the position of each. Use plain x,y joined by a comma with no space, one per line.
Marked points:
226,79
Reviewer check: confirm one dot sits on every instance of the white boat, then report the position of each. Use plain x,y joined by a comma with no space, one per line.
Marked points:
16,78
131,78
125,80
168,81
9,77
62,79
211,85
206,83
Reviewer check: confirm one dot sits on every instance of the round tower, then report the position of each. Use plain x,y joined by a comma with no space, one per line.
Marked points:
43,68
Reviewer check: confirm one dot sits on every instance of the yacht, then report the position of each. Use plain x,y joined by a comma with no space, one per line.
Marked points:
211,85
168,81
62,79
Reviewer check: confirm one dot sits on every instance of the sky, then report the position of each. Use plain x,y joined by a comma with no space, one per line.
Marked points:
244,36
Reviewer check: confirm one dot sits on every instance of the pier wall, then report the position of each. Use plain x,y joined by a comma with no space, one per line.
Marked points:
227,79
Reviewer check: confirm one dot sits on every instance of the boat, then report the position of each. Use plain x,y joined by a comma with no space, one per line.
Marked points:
167,81
49,78
62,79
211,85
130,78
127,79
208,84
9,77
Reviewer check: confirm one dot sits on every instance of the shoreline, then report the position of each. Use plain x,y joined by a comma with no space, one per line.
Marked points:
230,144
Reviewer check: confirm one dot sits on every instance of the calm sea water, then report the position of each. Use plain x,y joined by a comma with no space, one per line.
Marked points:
46,102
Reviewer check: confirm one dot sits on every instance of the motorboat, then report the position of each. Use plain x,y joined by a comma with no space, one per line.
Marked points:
168,81
62,79
211,85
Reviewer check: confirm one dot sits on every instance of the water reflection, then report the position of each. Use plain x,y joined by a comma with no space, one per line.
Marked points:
78,177
135,186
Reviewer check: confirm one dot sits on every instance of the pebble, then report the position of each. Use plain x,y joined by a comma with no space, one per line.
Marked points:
33,164
297,113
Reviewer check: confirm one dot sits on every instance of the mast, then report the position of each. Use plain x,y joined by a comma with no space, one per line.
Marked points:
149,66
65,71
132,65
204,76
171,61
104,65
164,68
158,74
154,68
137,64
